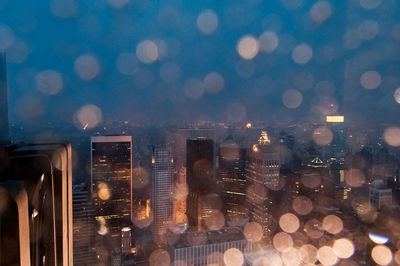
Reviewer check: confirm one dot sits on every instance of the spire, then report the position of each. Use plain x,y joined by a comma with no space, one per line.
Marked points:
263,140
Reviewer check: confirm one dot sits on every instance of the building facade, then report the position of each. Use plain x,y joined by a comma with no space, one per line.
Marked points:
161,196
263,173
111,180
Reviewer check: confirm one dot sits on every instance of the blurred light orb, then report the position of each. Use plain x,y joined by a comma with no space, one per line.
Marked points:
49,82
248,125
253,232
194,89
321,11
103,191
343,248
289,222
118,3
233,257
266,257
302,54
368,30
248,47
214,82
308,253
370,4
291,257
396,95
311,179
207,22
378,239
159,257
147,51
215,221
236,112
127,64
302,205
382,255
354,177
313,228
87,67
327,256
391,135
268,42
322,136
170,72
282,241
292,99
89,116
332,224
63,8
6,37
370,80
397,257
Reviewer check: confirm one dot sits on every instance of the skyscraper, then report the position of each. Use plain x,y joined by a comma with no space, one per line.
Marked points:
111,168
161,196
200,177
232,177
263,178
83,225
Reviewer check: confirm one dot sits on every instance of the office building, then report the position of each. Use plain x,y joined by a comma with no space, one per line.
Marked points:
263,173
84,226
111,169
380,195
161,196
232,178
200,177
207,248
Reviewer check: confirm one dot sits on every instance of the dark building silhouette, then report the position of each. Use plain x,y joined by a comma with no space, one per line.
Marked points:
4,132
200,177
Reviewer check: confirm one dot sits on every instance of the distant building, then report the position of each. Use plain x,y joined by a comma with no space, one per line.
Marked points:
263,177
84,226
162,188
232,178
111,168
200,177
380,195
207,248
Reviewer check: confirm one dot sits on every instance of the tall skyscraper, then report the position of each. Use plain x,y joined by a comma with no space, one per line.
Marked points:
200,177
83,216
111,168
4,137
263,178
161,197
232,177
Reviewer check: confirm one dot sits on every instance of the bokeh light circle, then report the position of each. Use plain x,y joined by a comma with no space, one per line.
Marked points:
302,205
302,54
87,67
332,224
207,22
248,47
321,11
253,232
49,82
289,222
147,51
322,136
391,135
282,241
292,99
268,41
382,255
343,248
89,116
370,80
233,257
327,256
